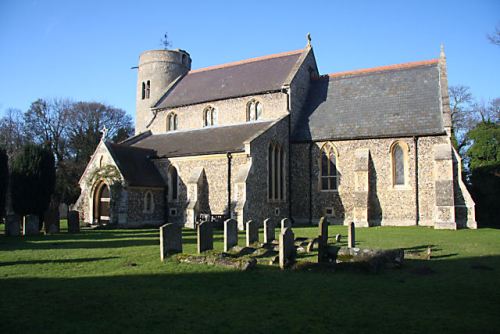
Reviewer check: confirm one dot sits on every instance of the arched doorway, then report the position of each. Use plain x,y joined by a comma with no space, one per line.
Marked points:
102,201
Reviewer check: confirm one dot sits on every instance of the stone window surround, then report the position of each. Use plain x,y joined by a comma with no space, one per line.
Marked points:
257,116
210,116
281,173
146,90
327,147
149,202
406,151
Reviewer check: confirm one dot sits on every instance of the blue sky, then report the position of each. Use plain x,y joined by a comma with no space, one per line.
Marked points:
84,50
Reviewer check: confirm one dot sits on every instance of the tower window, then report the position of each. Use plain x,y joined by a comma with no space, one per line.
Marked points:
172,122
143,90
254,111
148,89
210,117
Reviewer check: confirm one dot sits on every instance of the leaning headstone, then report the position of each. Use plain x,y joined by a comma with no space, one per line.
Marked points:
269,234
205,236
170,240
285,222
31,225
13,225
252,231
230,234
73,222
286,247
338,237
51,220
323,230
351,238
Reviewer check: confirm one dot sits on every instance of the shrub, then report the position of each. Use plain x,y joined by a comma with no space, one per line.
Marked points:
4,178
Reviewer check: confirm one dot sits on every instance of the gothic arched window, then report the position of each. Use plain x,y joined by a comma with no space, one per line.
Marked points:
254,111
172,122
210,116
173,184
149,204
276,172
399,157
328,168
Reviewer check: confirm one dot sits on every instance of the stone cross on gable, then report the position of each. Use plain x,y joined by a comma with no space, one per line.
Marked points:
104,132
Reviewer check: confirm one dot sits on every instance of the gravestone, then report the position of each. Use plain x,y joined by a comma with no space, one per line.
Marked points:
286,247
230,234
323,230
285,222
269,234
252,232
205,237
351,238
73,222
31,225
170,240
51,220
338,237
13,225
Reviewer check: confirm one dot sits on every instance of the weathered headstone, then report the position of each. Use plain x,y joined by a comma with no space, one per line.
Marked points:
310,245
230,234
31,225
205,236
51,220
269,234
338,237
285,222
351,238
252,232
170,240
286,247
73,222
323,230
12,225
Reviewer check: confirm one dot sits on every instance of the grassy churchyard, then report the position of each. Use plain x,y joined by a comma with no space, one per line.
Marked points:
113,281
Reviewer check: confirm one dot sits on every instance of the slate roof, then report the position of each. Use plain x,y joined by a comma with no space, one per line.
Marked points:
210,140
135,165
389,101
243,78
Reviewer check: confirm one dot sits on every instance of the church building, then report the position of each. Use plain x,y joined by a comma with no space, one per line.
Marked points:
271,137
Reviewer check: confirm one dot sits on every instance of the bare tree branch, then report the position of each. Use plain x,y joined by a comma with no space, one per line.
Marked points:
494,37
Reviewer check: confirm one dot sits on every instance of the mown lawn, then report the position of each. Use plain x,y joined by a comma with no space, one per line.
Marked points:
112,281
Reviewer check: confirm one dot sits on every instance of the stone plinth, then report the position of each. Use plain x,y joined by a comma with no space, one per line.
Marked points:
205,237
73,222
286,247
269,231
170,240
230,234
252,232
13,225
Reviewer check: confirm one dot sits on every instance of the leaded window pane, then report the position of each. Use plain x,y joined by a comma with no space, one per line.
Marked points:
258,111
324,164
324,183
399,166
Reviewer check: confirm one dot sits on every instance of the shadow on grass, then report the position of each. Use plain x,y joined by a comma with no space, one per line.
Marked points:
80,260
264,300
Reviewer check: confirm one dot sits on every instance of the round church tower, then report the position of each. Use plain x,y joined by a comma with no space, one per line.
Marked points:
156,71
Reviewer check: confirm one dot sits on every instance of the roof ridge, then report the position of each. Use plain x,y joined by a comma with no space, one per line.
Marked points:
246,61
381,68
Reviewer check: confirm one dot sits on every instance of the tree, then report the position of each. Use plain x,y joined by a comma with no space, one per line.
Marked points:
484,164
32,180
46,122
462,115
12,134
495,36
4,178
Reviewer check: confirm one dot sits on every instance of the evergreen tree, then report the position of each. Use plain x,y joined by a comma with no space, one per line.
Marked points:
4,178
484,164
33,180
